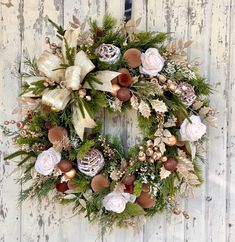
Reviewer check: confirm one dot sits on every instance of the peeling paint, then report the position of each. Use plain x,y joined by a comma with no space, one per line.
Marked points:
8,4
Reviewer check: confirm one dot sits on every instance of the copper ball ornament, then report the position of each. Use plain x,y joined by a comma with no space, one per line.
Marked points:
129,189
99,182
70,174
115,88
129,180
145,200
123,94
170,164
72,185
57,134
124,71
145,187
61,186
65,165
133,57
125,80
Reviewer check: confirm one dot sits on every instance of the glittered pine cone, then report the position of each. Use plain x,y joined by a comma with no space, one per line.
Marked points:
108,53
186,93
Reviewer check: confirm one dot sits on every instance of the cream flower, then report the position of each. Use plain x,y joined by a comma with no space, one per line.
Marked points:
192,131
46,161
152,62
116,201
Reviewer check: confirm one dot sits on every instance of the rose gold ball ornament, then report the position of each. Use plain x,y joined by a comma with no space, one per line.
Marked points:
145,187
170,164
149,152
176,211
145,200
133,57
70,174
141,156
123,94
57,134
65,165
161,78
72,185
115,88
124,70
99,182
129,180
172,141
125,80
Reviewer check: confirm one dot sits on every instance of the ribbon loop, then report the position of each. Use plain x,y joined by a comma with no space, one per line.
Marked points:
73,77
84,62
56,98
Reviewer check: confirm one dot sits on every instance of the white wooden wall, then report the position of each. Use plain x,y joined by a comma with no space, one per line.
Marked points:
210,23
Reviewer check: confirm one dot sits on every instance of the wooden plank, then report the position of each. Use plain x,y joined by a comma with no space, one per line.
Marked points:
217,167
155,227
230,216
199,19
119,124
10,49
176,16
40,223
86,231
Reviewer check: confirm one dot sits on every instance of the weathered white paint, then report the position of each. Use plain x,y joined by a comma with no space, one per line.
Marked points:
210,24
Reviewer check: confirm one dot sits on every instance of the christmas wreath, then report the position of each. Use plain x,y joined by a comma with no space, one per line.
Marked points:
63,150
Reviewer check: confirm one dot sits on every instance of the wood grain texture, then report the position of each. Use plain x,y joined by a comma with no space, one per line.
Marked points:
40,220
10,49
210,24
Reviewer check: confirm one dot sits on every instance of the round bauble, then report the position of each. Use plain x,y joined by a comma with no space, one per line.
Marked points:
99,182
70,174
145,200
123,94
133,57
180,143
141,156
172,141
170,164
115,88
61,186
108,53
57,134
92,163
72,185
145,187
129,180
124,71
65,165
125,80
129,189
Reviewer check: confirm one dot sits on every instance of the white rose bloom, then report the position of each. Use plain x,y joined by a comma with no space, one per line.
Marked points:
152,62
46,161
192,131
116,201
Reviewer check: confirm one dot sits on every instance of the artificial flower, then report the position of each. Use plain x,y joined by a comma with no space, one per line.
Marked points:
46,161
152,62
116,201
192,131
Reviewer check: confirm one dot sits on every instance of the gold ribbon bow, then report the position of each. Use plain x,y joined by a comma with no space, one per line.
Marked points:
72,77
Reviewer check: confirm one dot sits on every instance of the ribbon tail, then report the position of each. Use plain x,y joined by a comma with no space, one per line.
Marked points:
105,77
80,122
56,98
